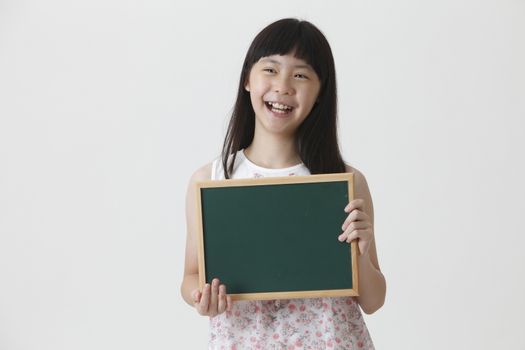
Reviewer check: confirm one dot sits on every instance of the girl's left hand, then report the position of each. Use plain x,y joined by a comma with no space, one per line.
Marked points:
357,226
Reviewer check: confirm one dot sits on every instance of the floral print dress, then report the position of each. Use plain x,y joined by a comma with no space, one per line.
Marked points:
308,323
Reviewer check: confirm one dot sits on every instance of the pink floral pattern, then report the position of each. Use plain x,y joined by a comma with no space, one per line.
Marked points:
311,323
334,323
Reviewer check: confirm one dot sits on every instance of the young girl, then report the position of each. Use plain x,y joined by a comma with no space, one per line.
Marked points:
284,124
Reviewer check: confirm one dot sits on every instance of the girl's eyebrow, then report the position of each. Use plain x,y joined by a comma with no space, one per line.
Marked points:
270,60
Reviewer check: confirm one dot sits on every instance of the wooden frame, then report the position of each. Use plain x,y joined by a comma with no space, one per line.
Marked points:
236,183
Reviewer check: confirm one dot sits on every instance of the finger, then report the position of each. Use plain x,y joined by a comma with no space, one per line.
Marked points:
362,234
355,215
229,303
354,225
354,204
205,300
214,296
355,234
363,237
196,296
221,306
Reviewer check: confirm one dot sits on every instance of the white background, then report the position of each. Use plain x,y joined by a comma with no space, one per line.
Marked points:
108,106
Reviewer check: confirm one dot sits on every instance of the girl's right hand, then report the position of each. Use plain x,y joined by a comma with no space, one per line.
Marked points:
213,300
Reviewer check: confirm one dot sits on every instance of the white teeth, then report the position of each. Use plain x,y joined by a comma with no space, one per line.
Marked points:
279,106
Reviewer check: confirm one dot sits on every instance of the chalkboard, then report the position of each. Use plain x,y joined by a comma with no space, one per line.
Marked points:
276,237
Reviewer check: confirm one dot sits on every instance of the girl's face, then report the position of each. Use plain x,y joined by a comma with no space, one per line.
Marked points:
283,90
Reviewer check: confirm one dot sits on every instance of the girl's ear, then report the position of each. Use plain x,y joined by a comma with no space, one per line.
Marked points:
247,84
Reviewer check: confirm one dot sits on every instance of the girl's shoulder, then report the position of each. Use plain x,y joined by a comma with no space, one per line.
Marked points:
360,183
202,173
353,170
361,189
209,171
349,168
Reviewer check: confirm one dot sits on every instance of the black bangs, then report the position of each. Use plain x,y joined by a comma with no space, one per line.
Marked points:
289,36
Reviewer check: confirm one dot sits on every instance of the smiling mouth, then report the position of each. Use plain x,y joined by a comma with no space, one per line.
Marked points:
278,108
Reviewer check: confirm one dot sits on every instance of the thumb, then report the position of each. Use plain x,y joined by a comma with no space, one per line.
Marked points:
196,295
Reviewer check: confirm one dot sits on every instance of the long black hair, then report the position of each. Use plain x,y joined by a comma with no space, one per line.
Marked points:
316,137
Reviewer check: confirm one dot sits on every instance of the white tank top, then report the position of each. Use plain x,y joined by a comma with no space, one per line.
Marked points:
309,323
244,168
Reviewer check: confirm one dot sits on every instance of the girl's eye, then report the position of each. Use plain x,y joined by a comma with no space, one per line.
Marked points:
269,70
301,76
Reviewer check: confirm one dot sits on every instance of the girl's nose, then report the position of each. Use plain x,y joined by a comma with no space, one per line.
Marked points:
283,86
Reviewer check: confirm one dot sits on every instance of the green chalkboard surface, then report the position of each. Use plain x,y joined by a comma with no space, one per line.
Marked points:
275,238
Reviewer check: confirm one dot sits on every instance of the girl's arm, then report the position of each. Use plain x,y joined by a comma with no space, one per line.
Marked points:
372,284
213,299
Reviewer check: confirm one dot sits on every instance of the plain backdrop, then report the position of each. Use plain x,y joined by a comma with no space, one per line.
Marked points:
108,106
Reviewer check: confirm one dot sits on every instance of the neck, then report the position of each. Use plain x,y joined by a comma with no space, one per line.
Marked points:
273,151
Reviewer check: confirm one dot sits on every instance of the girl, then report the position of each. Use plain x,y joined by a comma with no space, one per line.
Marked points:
284,123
